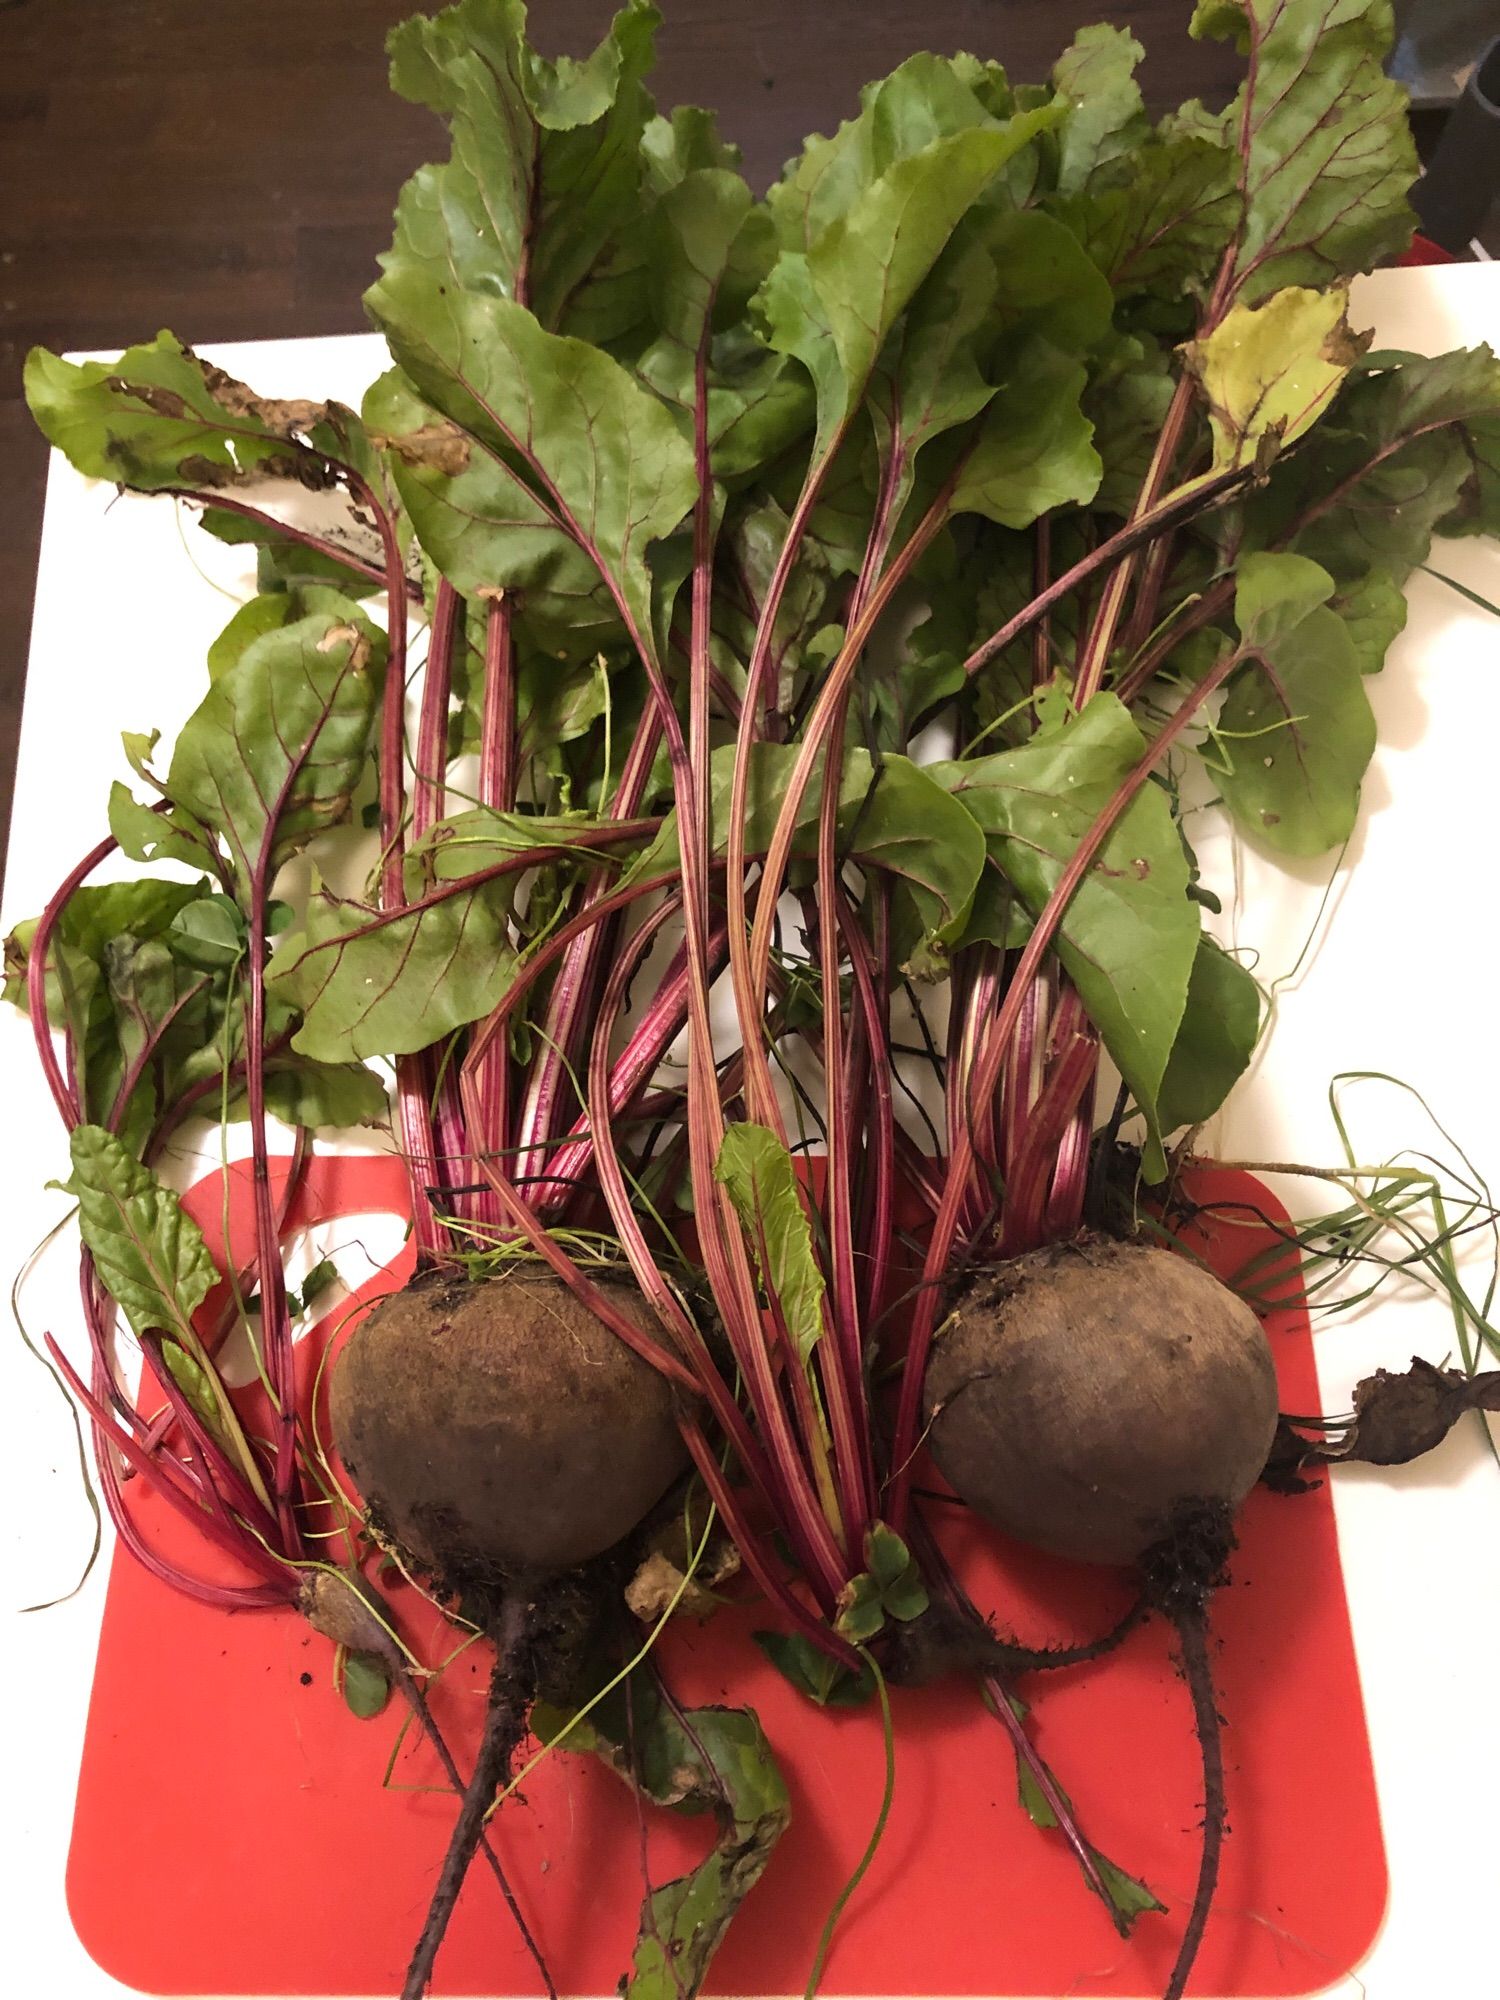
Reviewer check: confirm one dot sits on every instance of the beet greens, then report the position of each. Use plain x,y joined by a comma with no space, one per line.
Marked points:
1008,425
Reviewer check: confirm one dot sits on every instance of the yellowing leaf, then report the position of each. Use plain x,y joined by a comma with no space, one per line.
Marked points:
1269,372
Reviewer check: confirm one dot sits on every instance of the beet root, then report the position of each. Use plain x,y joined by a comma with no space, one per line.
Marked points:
497,1428
1079,1397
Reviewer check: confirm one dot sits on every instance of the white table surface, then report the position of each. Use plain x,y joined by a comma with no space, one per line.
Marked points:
1402,980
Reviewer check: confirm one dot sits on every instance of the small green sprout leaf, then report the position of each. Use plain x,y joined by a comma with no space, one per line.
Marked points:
861,1610
894,1569
366,1685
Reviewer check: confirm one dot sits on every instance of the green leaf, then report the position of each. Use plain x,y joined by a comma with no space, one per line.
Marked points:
283,563
152,994
257,616
891,816
927,97
1268,372
160,417
271,610
1217,1037
110,978
93,917
1161,218
1300,704
192,1380
272,754
323,1276
1095,78
367,1685
815,1673
751,541
833,305
1035,449
1274,594
757,1171
1129,937
371,983
890,1586
1329,158
710,245
325,1096
605,456
481,838
209,934
169,835
1128,1898
542,195
486,530
892,1565
1400,457
1128,396
150,1255
1009,297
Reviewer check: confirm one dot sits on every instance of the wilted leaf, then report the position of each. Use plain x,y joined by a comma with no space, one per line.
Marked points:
160,417
712,1760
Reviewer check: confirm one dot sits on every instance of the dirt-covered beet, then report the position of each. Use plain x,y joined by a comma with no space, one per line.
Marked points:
1080,1396
498,1428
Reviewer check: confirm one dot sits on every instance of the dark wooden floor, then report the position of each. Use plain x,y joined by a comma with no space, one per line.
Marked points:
228,167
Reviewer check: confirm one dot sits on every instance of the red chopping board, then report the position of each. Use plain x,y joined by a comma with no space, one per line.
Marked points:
236,1833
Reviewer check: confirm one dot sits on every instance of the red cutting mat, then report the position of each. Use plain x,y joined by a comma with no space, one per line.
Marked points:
233,1834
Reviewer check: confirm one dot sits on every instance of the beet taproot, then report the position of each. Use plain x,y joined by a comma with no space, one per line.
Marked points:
1080,1396
497,1428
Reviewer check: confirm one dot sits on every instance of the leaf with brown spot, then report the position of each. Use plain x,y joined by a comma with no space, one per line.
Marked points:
160,418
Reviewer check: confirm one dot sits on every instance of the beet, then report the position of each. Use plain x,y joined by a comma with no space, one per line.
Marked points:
497,1428
1081,1396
